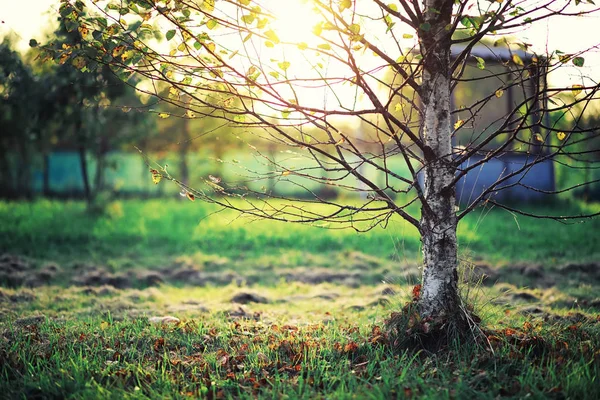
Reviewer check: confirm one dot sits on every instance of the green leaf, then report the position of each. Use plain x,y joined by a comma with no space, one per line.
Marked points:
579,61
212,24
248,19
170,34
407,36
425,26
324,46
480,62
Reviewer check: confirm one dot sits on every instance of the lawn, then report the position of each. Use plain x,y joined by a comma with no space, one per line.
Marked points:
164,298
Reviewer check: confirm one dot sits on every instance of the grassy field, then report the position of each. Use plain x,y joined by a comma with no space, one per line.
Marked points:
160,298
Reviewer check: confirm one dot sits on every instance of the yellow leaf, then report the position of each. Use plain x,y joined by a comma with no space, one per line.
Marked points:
156,176
517,60
104,325
324,46
340,142
190,196
458,124
163,115
190,114
211,47
576,89
538,138
272,36
284,65
344,4
117,51
499,93
285,173
302,46
398,107
561,136
208,5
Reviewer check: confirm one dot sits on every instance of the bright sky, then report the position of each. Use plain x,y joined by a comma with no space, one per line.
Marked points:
30,18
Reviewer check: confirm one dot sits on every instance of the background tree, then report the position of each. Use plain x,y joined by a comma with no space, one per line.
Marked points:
287,78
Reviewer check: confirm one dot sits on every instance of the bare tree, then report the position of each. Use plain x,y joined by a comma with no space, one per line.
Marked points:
321,87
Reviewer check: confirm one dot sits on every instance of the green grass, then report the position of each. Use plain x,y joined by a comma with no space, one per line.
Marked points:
150,231
87,347
323,340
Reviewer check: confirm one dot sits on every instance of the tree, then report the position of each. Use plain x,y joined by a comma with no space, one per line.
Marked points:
85,109
323,68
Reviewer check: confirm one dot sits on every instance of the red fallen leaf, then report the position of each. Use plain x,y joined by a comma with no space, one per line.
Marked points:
159,343
416,292
350,347
510,332
298,367
290,327
527,326
408,392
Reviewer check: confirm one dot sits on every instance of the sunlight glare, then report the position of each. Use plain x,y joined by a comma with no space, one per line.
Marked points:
294,19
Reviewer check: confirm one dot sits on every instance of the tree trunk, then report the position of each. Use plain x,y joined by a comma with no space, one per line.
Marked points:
46,174
439,290
84,174
99,177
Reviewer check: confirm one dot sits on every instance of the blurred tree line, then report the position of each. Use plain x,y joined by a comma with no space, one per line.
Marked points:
46,107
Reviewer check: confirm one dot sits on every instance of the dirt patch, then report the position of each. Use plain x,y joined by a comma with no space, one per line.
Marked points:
104,290
19,296
186,307
99,276
590,270
197,277
246,298
317,276
358,260
32,320
522,296
241,313
326,296
480,272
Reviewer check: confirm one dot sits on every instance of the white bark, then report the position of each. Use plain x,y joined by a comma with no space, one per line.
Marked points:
439,292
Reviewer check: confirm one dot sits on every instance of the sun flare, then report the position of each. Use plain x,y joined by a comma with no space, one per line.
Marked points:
294,19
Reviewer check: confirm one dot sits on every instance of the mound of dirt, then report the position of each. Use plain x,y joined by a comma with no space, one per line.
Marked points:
197,277
246,298
590,270
480,272
20,296
32,320
316,276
